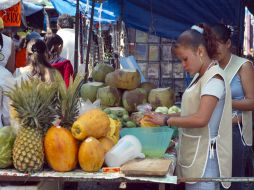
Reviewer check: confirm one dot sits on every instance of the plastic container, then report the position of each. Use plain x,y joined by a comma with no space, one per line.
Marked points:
154,140
126,149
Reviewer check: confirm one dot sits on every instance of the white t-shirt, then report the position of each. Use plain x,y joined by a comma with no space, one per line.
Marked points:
6,82
6,50
215,87
68,36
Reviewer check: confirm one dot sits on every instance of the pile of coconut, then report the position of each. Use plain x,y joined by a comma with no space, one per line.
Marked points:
122,87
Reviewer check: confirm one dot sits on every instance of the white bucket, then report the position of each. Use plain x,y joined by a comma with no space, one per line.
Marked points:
126,149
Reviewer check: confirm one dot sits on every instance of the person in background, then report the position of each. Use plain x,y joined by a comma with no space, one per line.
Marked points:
37,64
54,44
66,31
240,74
205,135
7,50
6,83
21,51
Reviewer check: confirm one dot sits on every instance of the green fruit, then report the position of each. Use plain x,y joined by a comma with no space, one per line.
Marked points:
107,111
7,138
119,114
113,116
130,124
125,117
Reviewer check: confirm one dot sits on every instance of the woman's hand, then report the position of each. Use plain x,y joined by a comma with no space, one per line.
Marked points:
156,118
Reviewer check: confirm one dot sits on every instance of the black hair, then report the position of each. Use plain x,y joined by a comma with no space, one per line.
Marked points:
37,52
52,41
193,38
222,32
65,21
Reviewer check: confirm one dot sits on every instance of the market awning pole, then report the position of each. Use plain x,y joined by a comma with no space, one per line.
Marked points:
89,40
76,39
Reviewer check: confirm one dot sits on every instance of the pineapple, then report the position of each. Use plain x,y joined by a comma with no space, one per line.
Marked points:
68,101
33,102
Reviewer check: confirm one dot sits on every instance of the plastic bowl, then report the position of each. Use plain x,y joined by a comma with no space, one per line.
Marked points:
154,140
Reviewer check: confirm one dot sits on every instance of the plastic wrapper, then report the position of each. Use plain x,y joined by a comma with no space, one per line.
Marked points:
88,105
144,108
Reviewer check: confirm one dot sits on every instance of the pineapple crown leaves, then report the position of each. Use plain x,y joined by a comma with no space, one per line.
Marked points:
67,106
33,100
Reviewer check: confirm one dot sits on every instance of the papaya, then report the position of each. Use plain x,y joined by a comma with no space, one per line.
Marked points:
114,133
61,149
107,143
91,155
144,123
94,123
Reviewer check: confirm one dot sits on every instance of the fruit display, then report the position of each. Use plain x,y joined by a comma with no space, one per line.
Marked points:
89,90
174,109
123,79
165,110
100,71
67,101
144,123
161,97
55,130
120,114
132,98
33,101
114,133
162,109
91,155
148,86
107,143
93,123
7,138
61,149
109,96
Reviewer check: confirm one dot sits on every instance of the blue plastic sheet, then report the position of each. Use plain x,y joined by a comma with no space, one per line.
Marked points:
109,11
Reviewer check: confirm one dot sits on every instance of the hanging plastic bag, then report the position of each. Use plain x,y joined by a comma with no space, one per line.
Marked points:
88,105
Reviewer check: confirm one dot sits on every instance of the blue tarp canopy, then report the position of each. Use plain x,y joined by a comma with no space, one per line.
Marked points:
110,10
170,17
30,8
166,18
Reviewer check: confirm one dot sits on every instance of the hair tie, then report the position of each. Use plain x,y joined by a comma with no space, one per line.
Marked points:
198,29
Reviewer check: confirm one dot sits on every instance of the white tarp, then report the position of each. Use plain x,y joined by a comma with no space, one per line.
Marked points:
5,4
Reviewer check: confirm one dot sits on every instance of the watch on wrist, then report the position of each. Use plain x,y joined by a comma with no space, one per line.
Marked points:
166,120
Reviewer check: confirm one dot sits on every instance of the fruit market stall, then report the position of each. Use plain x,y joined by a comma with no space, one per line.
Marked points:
63,133
79,175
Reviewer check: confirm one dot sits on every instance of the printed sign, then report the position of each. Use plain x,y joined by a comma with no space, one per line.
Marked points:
12,15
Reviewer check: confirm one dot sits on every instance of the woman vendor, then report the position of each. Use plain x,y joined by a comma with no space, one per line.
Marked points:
205,139
240,74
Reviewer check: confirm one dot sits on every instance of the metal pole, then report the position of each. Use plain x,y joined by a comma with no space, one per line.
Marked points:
76,39
81,41
89,41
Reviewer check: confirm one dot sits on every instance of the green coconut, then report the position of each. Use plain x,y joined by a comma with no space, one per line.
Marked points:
109,96
148,86
89,90
161,97
132,98
100,71
123,79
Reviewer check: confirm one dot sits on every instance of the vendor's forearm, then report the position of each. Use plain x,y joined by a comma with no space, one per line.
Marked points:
243,105
187,122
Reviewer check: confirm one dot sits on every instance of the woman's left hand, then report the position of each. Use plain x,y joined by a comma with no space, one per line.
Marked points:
156,118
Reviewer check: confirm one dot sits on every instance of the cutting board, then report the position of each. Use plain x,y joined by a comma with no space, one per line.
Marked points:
146,167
